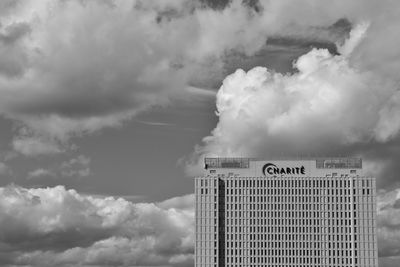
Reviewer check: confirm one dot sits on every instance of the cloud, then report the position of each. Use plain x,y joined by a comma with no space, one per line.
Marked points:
356,36
331,104
55,226
14,58
389,226
40,173
72,67
181,202
78,167
264,107
36,145
78,80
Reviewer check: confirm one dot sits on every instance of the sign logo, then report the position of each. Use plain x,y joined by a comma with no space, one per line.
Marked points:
272,169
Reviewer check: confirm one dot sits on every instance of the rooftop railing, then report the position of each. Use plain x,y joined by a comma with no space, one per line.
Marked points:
321,163
339,163
239,163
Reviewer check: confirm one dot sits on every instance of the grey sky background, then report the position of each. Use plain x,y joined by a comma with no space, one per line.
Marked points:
108,107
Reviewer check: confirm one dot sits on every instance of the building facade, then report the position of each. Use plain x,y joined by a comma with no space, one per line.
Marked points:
310,212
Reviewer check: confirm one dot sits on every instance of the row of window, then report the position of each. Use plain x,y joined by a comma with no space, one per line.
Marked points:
295,182
243,261
289,182
290,252
289,216
291,260
239,218
279,221
301,240
291,192
272,244
285,231
294,237
285,195
311,207
322,245
249,202
271,220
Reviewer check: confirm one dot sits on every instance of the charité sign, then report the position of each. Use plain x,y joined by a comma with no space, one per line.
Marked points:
272,169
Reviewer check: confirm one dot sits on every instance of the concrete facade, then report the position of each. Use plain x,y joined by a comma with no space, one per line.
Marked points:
309,212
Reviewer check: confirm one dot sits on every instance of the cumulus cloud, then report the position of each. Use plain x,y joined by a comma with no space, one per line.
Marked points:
323,100
59,227
331,104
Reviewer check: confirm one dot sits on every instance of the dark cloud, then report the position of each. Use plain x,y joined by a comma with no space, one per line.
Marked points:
279,52
14,32
327,37
215,4
222,4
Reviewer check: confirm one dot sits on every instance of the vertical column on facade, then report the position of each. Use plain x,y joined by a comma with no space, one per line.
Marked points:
317,216
208,232
221,223
205,223
374,251
351,220
374,226
352,217
245,222
197,225
361,221
363,225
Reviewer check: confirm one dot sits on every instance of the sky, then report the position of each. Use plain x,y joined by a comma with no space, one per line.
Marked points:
107,109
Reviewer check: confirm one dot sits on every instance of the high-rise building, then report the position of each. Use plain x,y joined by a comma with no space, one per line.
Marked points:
308,212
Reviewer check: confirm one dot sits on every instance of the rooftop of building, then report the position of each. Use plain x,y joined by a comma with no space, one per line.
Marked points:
321,162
